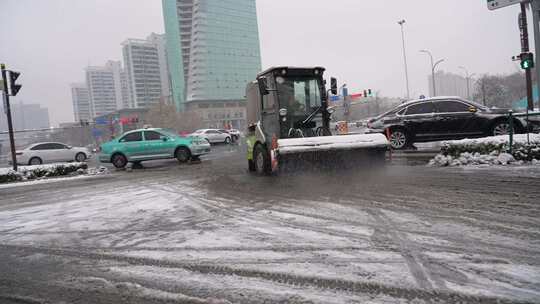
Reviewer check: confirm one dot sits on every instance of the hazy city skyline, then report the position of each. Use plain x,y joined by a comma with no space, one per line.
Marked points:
51,42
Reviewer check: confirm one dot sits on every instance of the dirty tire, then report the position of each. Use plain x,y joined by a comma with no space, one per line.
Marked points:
227,140
119,161
182,154
35,161
501,128
399,139
261,159
80,157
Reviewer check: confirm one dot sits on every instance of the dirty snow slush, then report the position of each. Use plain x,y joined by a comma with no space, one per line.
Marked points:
212,233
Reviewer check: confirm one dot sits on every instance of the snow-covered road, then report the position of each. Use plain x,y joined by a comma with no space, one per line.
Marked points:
212,233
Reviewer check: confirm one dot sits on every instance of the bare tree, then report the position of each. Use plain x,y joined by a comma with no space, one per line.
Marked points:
500,90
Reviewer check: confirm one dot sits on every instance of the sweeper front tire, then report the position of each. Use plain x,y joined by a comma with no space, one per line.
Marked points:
261,159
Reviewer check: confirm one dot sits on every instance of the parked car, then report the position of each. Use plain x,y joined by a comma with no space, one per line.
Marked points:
51,152
213,136
150,144
235,134
443,118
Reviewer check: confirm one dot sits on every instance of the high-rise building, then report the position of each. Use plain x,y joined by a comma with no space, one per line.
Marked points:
146,69
104,85
81,102
26,116
213,52
449,84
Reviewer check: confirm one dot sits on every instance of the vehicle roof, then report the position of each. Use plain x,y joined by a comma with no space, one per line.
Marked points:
144,129
430,99
46,142
289,68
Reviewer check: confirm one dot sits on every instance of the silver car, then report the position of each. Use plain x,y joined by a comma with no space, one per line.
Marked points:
213,136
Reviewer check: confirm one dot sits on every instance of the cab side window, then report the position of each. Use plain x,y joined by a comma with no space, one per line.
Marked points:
135,136
420,108
152,135
450,106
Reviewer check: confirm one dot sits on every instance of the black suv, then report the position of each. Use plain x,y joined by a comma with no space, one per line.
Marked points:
443,118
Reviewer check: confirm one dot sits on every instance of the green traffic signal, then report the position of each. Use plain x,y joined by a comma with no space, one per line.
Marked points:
527,61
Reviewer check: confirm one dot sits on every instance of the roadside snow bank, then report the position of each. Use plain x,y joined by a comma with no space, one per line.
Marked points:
26,173
339,142
491,150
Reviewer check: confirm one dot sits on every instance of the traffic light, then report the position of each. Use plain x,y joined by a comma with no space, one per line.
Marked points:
369,92
13,86
527,61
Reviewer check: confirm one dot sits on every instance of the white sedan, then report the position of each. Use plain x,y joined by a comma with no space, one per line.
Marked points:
213,136
51,152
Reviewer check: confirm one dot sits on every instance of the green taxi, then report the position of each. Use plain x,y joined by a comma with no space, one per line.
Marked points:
151,144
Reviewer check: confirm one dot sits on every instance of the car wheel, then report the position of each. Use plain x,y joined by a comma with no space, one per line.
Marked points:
182,154
119,161
399,139
262,161
227,140
80,157
34,161
500,128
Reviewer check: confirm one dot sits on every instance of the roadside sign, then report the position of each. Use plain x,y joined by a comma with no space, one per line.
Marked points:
102,121
495,4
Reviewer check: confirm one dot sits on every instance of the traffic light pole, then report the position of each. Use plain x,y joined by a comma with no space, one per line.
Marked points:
8,113
535,6
525,49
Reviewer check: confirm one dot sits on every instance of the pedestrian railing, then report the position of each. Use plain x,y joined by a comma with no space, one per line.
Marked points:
511,117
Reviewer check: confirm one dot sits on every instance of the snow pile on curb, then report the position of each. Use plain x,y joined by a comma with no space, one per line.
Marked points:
467,158
491,150
43,171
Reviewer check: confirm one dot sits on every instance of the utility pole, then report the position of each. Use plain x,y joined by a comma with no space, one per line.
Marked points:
401,23
522,20
468,78
535,6
8,113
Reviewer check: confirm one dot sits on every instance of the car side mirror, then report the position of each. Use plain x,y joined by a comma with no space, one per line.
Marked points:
333,85
164,138
69,147
263,85
473,109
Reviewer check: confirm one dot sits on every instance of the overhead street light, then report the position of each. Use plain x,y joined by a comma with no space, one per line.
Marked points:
433,67
401,23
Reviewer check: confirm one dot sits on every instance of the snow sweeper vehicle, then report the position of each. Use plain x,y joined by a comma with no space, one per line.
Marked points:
289,125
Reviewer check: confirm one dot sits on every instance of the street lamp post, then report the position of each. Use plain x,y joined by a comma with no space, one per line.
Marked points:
468,77
401,23
433,67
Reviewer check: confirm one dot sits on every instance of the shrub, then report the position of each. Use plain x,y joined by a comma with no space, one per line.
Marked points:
40,171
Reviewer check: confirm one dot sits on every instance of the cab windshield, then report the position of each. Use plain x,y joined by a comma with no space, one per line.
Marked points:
299,95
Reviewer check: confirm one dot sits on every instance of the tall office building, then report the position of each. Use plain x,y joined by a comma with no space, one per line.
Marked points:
104,85
449,84
26,116
146,69
81,102
213,52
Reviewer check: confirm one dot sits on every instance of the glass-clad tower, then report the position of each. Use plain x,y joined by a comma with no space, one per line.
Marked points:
213,49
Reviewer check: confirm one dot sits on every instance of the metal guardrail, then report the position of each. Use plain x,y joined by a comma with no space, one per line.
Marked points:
511,117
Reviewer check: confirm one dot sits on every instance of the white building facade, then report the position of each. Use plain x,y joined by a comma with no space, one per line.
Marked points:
81,102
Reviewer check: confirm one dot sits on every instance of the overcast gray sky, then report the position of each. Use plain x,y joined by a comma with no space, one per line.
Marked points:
358,41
